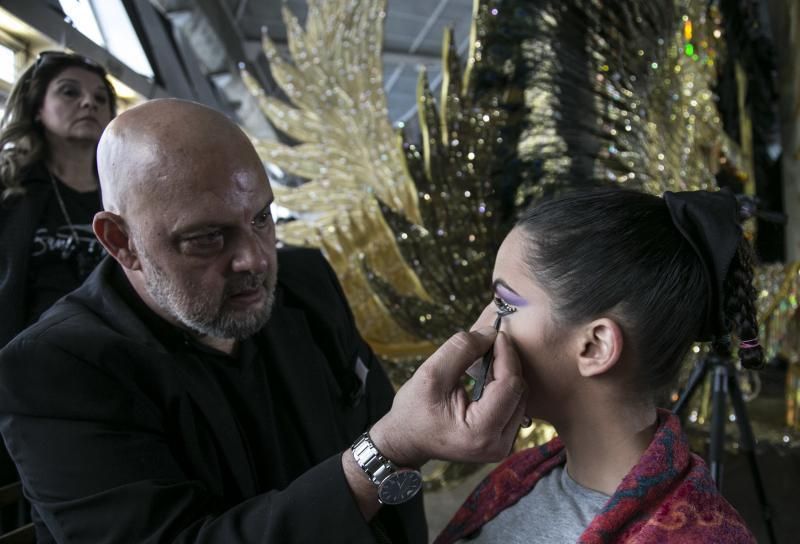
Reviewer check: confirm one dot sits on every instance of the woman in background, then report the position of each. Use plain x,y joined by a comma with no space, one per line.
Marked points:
602,295
49,193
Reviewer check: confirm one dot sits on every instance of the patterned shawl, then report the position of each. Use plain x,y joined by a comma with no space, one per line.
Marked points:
668,496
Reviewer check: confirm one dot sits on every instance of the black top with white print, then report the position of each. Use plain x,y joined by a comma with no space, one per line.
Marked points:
59,263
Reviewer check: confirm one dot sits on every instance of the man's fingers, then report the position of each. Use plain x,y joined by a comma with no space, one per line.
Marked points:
509,434
508,374
497,406
461,350
487,317
492,419
506,362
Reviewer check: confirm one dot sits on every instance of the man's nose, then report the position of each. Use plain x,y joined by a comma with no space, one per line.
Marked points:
251,255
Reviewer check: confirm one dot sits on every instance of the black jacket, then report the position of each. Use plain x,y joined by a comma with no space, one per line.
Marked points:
19,219
117,439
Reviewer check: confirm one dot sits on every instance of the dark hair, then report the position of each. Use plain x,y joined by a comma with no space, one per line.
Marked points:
22,140
740,306
617,252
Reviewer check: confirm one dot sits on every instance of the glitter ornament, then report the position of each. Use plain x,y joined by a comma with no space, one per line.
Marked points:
551,96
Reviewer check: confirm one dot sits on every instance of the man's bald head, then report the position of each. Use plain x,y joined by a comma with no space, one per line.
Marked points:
151,151
187,216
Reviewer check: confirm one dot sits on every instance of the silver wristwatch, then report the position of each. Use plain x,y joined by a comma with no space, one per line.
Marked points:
395,485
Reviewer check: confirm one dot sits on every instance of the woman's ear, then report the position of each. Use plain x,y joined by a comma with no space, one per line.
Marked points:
113,233
601,347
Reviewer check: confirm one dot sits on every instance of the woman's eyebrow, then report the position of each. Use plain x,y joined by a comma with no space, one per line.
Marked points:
502,283
508,293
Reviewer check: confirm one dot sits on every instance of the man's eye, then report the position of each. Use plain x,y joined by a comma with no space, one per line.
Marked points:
263,219
503,307
206,240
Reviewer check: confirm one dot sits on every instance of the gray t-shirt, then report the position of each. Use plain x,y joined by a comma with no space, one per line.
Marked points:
557,510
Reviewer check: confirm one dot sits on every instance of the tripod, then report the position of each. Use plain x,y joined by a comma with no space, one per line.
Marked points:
725,383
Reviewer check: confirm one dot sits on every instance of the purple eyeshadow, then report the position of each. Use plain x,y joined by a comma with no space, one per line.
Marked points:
509,296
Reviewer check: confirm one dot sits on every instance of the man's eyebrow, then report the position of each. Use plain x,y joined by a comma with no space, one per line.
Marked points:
265,208
196,227
213,224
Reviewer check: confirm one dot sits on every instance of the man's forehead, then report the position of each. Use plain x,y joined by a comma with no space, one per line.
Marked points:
169,151
230,205
185,173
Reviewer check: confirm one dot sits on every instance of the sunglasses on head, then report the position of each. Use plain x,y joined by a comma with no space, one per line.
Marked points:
48,57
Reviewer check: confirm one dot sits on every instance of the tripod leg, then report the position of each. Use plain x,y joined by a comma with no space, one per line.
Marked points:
697,375
716,447
747,445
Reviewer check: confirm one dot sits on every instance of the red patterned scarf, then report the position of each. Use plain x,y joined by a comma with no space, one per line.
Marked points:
668,496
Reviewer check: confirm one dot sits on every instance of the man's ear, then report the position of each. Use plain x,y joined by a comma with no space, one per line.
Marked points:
113,233
600,348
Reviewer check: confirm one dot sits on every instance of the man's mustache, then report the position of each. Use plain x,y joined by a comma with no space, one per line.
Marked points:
246,282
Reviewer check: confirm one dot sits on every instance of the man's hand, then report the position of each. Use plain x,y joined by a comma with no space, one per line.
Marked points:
432,416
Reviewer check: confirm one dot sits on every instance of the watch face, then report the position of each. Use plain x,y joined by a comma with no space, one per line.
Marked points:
400,486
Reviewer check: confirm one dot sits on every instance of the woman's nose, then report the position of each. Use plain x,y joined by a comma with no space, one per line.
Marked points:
88,101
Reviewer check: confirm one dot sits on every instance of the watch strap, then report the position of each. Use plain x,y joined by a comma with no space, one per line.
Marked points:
375,466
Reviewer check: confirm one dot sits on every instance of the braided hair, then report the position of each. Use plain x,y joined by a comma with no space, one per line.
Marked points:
740,309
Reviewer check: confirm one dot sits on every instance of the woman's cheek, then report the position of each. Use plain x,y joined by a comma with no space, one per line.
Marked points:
526,346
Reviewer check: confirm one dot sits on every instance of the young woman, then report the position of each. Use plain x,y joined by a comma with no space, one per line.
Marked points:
602,295
48,184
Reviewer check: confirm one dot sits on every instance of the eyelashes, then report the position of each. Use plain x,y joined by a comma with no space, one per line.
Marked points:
503,307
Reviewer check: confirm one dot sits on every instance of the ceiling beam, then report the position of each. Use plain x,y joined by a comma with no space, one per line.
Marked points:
167,63
52,24
222,21
240,9
205,30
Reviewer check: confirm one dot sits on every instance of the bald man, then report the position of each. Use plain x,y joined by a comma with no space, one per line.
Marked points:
202,386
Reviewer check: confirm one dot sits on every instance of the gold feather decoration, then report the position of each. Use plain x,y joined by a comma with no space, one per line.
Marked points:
412,231
452,250
349,152
554,95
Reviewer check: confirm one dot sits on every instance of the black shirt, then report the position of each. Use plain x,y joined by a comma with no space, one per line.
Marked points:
123,434
59,263
251,387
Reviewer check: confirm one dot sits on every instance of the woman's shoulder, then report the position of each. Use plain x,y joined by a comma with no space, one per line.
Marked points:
670,496
695,511
34,175
519,473
34,183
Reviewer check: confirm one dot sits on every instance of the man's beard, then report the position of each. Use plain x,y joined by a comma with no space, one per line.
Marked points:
194,309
